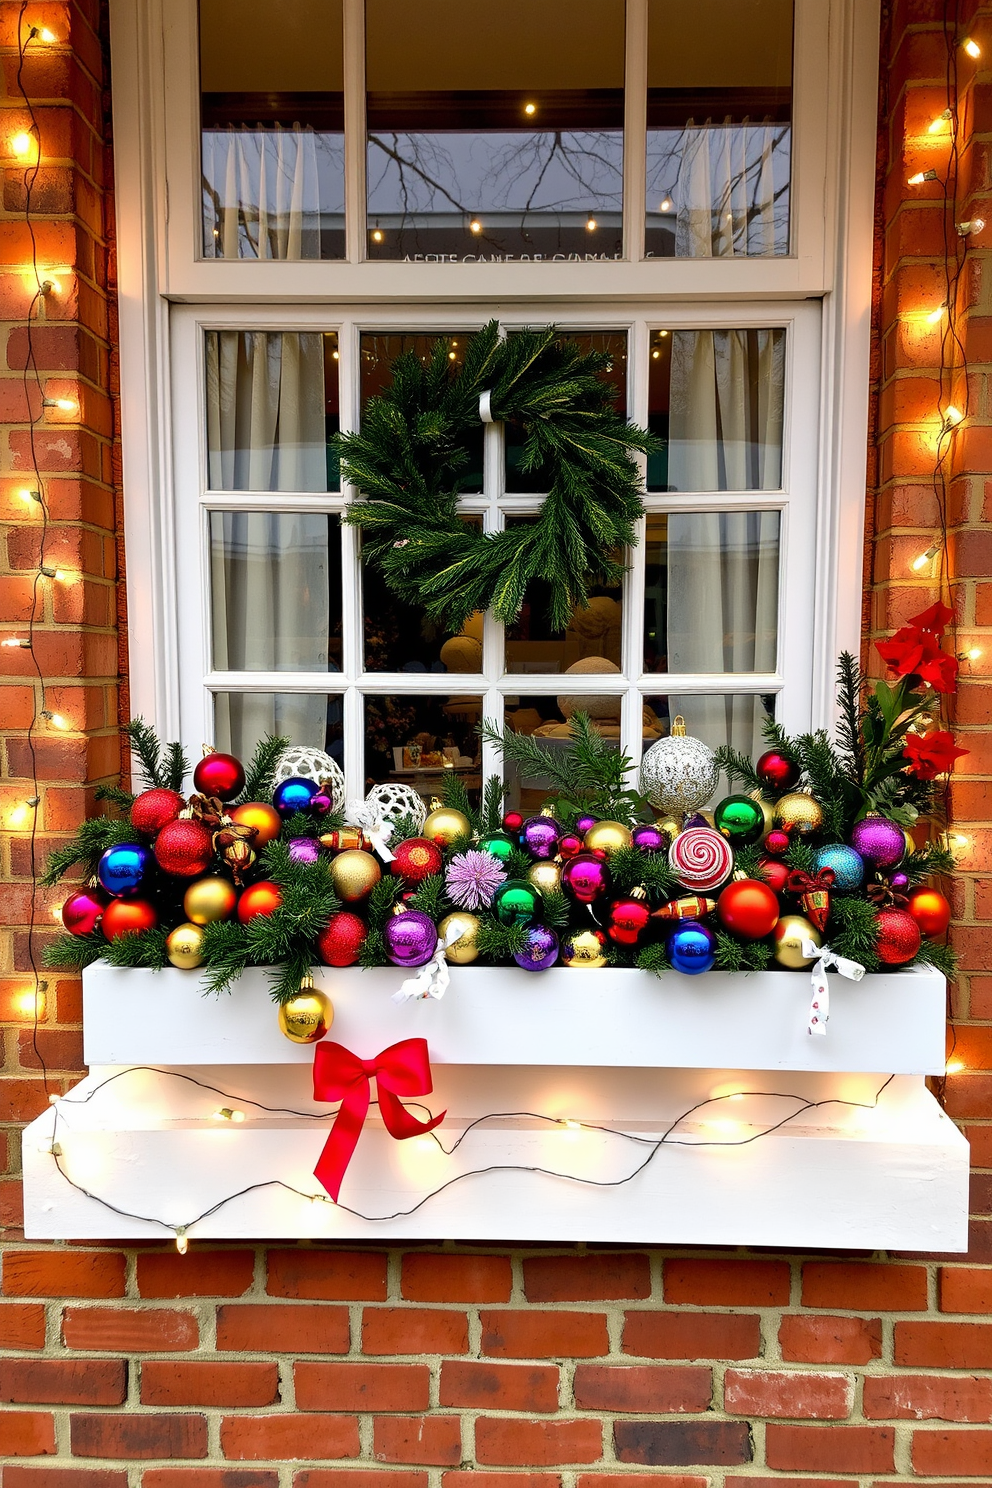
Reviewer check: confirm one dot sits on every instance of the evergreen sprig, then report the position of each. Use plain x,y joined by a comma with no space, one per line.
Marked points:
261,769
741,955
588,774
631,869
653,957
854,930
555,909
430,897
498,942
138,948
93,837
165,771
116,795
491,815
941,957
73,952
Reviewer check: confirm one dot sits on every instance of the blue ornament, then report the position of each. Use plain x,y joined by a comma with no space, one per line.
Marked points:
540,949
122,869
692,948
847,865
294,794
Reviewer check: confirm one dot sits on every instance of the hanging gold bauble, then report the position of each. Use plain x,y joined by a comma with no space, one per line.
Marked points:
354,874
788,935
466,947
545,876
797,812
209,899
184,946
445,826
766,811
583,950
308,1014
667,824
607,836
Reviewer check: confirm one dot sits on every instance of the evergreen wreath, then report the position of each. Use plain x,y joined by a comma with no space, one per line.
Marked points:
408,464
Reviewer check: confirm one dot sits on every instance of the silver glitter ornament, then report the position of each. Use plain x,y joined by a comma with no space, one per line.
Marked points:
679,774
312,764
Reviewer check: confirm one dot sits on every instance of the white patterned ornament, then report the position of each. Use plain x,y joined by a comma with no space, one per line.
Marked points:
312,764
679,774
394,800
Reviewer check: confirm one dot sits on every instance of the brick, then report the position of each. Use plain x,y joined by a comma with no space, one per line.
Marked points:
815,1397
703,1283
913,1397
276,1329
600,1276
513,1334
650,1480
64,1477
63,1273
335,1275
865,1286
503,1441
209,1477
968,1452
63,1381
134,1434
414,1330
830,1340
478,1385
353,1477
965,1289
288,1437
430,1440
637,1389
692,1335
199,1382
855,1449
427,1277
473,1479
683,1443
22,1325
731,1481
201,1273
133,1330
944,1345
362,1387
26,1433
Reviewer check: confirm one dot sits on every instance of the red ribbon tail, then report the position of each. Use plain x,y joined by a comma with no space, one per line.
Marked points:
397,1119
343,1137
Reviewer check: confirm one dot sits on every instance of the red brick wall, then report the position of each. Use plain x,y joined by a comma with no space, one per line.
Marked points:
315,1367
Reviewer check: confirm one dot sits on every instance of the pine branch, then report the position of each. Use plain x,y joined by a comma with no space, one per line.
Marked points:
518,863
631,869
854,930
929,861
942,958
740,768
589,774
747,860
176,767
284,980
116,795
405,827
430,897
741,955
73,952
95,835
145,948
499,942
226,954
555,909
850,686
653,958
491,816
260,774
455,797
801,857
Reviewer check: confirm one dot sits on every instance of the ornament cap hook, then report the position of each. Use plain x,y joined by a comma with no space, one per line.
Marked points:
678,727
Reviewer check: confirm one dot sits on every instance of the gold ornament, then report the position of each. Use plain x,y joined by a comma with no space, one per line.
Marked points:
209,899
584,950
797,812
184,947
466,947
667,824
766,811
354,874
789,934
607,837
308,1014
545,876
445,826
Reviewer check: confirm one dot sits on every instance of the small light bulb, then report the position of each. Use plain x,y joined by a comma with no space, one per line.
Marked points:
655,354
973,225
67,405
49,36
922,559
570,1125
936,315
377,235
662,334
974,654
971,47
954,1066
591,225
666,205
182,1244
921,176
21,144
952,416
475,225
29,1003
229,1113
32,498
530,108
13,642
334,356
936,125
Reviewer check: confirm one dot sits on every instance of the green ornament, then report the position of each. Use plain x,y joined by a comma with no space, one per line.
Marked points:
740,819
500,845
516,902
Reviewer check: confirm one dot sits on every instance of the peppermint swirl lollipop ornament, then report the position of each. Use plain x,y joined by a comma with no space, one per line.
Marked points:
679,774
701,859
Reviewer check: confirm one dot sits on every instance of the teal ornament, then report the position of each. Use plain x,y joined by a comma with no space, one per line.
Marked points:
516,902
500,844
848,866
740,819
692,948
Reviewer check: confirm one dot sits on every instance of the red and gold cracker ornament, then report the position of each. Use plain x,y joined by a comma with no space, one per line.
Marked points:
813,892
689,907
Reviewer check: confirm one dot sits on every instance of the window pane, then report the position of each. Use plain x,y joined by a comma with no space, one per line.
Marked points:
716,399
711,591
734,719
719,137
272,410
272,116
418,739
276,582
593,633
403,638
614,345
381,349
545,719
496,131
241,719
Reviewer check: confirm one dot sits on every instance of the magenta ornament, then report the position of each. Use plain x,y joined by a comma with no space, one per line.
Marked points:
541,836
585,878
649,838
321,804
411,938
82,910
584,823
304,849
540,949
899,882
879,841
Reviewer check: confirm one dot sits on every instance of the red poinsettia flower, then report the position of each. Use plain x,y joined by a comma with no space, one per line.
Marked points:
914,651
931,754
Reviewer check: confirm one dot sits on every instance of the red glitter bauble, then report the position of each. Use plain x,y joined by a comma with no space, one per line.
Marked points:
183,848
416,859
749,908
628,919
513,821
219,775
777,842
774,770
154,809
774,874
340,943
930,910
260,899
82,910
122,915
898,936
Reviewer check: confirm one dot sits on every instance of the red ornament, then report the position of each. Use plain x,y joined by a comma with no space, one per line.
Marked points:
774,874
570,846
776,771
416,859
898,936
628,919
340,943
260,899
513,821
122,915
81,911
930,910
777,842
183,848
748,908
219,775
153,809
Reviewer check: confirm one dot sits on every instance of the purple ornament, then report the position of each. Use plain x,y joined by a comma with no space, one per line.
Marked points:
585,878
304,850
411,938
697,819
321,804
540,949
879,841
541,836
584,823
899,881
649,838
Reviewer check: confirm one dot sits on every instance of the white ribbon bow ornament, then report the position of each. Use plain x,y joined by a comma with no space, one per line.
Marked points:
376,828
819,1009
432,978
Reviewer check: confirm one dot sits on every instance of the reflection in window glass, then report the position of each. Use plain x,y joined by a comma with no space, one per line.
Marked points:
242,719
716,399
591,641
734,719
545,719
272,410
276,591
719,137
495,132
420,739
272,119
711,591
400,637
380,349
613,345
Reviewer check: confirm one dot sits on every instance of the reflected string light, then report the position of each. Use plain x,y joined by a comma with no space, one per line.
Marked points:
970,45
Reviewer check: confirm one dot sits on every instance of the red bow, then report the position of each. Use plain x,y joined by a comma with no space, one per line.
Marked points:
402,1069
801,882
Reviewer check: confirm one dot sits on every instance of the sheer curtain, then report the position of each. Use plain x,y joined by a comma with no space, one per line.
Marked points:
261,193
726,192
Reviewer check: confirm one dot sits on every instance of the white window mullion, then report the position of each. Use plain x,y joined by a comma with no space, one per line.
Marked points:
354,130
634,129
